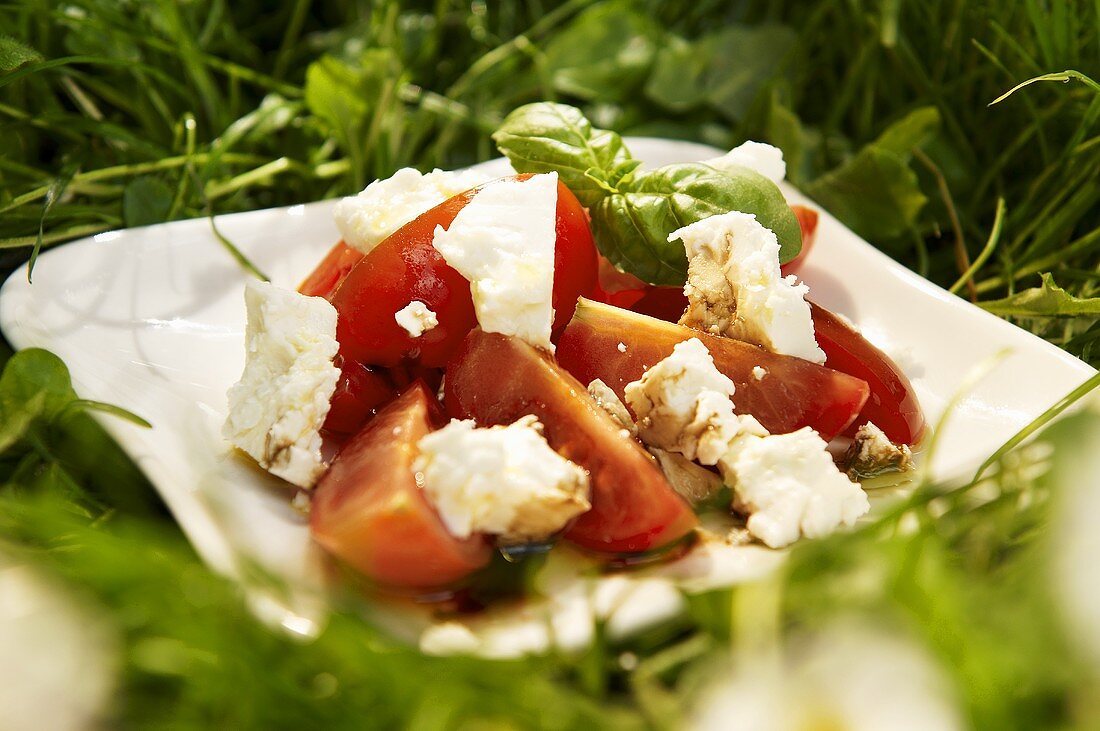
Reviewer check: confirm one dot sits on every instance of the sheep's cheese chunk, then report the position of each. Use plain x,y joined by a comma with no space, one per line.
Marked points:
683,405
277,408
416,319
609,401
502,480
787,483
503,242
873,453
756,156
735,287
366,219
790,487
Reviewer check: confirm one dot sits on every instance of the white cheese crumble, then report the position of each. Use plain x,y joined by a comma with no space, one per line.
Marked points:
502,480
787,483
621,347
503,242
609,401
756,156
366,219
278,407
694,483
759,372
735,287
415,318
790,487
683,405
872,452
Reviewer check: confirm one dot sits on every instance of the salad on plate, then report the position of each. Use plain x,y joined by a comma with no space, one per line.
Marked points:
583,354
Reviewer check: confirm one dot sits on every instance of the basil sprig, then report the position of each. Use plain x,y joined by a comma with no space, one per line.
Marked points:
634,211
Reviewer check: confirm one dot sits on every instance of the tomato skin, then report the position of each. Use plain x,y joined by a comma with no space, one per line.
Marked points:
406,267
892,404
576,264
324,280
496,379
403,268
368,511
360,392
807,221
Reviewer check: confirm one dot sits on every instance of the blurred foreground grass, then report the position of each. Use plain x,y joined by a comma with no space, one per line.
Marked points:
128,113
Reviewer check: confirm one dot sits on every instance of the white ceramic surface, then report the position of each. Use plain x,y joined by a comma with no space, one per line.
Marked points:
152,319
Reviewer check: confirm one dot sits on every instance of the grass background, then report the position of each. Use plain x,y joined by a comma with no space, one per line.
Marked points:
122,113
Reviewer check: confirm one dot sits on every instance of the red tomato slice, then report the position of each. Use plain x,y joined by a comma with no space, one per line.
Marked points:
794,393
369,512
360,392
892,405
807,221
331,272
407,267
496,379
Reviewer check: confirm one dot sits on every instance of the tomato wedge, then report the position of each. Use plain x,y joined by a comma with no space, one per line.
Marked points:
807,221
617,346
407,267
331,272
893,404
369,512
496,379
360,391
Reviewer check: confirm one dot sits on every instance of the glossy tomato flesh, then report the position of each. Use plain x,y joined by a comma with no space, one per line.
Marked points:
807,222
368,511
360,392
331,272
893,404
406,267
496,379
617,346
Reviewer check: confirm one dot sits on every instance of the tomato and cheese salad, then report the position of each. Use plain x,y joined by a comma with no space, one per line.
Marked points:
485,364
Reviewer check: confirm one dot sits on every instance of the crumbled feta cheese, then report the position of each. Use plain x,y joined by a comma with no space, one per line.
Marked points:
301,502
787,483
621,347
735,287
366,219
873,453
277,408
758,373
503,242
756,156
416,318
609,401
503,480
683,405
790,487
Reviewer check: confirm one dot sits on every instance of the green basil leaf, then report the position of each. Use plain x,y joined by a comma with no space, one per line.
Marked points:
546,137
1047,300
634,212
632,225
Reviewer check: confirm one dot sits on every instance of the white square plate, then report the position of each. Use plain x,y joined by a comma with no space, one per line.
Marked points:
152,319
